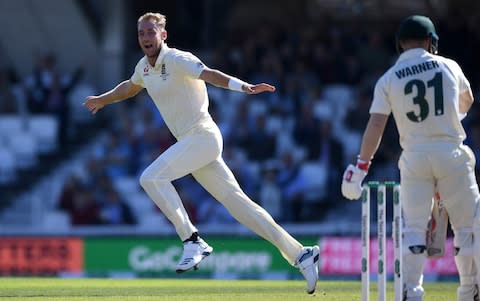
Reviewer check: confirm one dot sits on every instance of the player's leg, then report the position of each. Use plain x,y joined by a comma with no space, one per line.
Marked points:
464,260
188,154
219,181
417,189
459,188
464,252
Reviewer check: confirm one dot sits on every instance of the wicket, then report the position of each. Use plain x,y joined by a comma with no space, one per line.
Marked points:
381,238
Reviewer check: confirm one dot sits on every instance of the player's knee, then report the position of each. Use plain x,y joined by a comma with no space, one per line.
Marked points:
463,242
145,180
467,292
417,249
414,242
476,236
148,179
155,174
476,222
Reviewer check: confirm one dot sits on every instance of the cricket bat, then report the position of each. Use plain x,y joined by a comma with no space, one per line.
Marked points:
437,229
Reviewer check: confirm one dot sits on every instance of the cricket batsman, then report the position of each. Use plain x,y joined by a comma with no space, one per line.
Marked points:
428,96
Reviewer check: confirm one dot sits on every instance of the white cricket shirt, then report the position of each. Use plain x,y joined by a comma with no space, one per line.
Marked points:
421,91
174,86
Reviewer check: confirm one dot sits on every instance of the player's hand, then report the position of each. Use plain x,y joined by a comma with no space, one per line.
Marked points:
259,88
93,104
352,180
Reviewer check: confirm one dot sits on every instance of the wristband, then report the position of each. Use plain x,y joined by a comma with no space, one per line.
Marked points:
236,84
363,165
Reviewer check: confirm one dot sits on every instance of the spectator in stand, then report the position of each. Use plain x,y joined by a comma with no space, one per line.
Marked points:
79,202
259,144
70,187
57,104
329,154
47,93
353,70
115,211
287,179
290,98
8,100
270,195
357,116
305,132
115,155
373,54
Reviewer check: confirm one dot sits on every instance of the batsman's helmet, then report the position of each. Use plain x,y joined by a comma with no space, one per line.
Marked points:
417,28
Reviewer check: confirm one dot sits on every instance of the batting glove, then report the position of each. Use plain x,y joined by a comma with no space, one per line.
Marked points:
353,178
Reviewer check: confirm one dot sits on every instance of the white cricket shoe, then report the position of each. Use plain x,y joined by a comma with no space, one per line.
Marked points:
307,262
193,253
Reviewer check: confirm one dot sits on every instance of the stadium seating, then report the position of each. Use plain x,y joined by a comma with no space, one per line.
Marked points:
24,147
45,130
7,166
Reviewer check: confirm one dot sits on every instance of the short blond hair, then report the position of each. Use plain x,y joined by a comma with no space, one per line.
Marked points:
159,19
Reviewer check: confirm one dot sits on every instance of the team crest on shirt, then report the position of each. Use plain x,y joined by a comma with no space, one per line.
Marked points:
145,70
163,72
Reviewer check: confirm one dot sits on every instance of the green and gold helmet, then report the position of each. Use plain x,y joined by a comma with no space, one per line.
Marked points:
417,28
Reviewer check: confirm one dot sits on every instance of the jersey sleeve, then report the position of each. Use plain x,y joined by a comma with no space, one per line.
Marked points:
463,83
380,103
136,77
188,64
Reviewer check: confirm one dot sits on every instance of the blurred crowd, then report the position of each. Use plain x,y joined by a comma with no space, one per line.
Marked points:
288,149
44,91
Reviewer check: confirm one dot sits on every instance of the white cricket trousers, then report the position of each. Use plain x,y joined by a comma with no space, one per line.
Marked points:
452,173
199,152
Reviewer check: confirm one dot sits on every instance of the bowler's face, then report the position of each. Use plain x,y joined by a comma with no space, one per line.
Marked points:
150,38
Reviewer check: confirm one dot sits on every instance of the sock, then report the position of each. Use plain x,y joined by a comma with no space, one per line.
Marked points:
193,238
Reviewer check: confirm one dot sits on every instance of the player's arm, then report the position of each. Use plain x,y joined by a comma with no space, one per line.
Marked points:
465,97
372,136
354,174
122,91
465,101
222,80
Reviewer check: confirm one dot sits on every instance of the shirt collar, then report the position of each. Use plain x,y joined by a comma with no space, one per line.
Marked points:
412,53
162,54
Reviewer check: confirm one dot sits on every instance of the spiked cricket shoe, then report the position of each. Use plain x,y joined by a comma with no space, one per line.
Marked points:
307,262
193,253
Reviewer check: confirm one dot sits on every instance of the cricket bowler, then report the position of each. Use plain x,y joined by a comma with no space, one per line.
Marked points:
175,80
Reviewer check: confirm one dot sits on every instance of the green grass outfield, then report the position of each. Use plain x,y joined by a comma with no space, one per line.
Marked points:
33,289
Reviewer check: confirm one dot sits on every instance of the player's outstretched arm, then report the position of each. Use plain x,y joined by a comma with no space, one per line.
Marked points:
122,91
220,79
